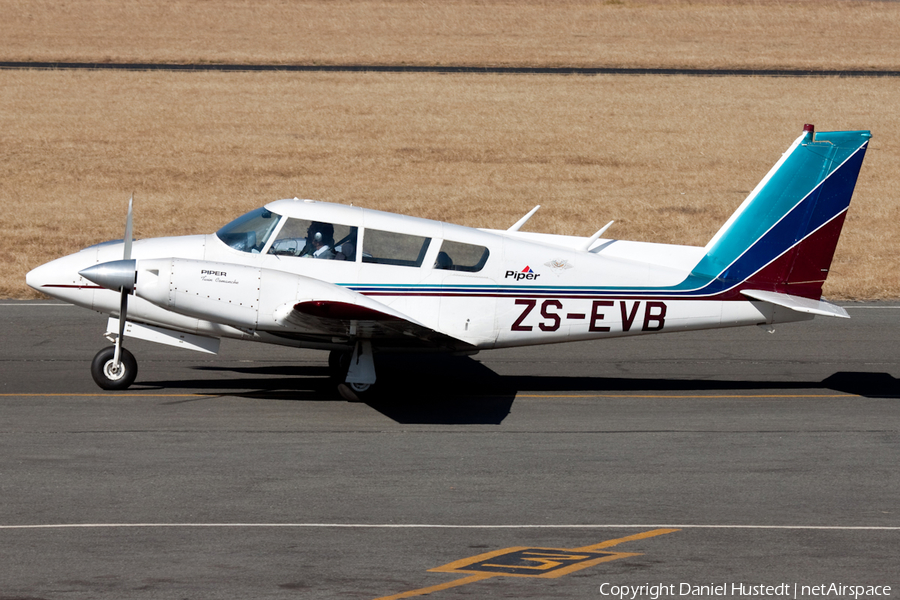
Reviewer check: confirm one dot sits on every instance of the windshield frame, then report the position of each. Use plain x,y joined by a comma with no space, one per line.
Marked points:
237,233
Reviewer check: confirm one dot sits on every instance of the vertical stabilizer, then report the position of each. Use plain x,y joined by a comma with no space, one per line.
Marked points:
783,236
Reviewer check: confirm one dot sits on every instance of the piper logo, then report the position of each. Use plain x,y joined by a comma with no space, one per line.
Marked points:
527,274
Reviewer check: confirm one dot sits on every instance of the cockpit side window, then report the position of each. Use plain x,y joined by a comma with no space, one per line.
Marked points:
315,239
250,232
390,248
456,256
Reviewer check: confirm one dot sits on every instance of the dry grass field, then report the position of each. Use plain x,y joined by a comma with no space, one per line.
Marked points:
843,34
669,158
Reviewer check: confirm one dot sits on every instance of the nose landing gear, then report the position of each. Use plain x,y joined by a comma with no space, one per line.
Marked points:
111,376
114,368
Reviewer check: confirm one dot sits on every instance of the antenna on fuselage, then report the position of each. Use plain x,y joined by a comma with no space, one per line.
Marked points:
596,236
524,219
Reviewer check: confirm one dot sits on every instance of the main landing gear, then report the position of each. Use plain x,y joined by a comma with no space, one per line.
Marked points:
355,370
111,376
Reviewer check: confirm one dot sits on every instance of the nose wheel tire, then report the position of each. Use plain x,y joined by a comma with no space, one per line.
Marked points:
111,376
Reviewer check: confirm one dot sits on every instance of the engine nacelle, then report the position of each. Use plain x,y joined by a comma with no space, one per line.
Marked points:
219,292
252,298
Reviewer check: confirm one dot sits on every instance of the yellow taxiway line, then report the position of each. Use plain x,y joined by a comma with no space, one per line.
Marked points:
549,396
676,396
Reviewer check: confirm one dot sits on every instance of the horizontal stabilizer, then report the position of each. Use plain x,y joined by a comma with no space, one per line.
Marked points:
804,305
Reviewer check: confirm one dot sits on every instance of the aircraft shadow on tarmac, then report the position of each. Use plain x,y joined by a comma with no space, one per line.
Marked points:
461,390
449,390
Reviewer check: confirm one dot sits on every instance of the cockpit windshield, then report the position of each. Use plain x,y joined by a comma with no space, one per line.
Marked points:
250,232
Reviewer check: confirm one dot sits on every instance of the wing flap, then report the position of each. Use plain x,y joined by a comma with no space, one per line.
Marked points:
364,319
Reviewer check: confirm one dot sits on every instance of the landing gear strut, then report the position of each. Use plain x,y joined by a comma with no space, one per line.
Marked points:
356,370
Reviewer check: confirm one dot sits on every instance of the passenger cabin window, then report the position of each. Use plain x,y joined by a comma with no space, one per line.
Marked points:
250,232
389,248
456,256
315,239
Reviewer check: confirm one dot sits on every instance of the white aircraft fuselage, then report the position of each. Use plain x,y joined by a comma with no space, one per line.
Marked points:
533,288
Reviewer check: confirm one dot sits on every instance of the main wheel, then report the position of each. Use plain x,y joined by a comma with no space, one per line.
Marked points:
338,363
356,392
110,376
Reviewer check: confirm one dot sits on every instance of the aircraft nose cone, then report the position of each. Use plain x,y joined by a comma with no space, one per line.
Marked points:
113,275
39,276
59,279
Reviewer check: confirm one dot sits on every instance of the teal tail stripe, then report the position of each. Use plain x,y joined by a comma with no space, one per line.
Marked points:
802,169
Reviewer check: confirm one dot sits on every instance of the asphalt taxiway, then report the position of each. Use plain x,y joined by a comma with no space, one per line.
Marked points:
732,457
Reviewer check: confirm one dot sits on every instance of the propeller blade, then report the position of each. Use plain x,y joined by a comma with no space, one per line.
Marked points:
127,286
123,310
128,229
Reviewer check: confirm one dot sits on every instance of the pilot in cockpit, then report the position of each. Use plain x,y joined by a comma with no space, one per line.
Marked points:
319,241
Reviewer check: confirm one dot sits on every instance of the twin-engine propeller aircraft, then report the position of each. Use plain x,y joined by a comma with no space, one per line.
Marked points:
358,282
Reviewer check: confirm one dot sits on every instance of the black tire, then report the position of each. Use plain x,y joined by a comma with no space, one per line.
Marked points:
104,375
356,392
339,363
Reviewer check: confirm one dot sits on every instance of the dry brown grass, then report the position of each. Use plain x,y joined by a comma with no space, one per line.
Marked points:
667,157
670,33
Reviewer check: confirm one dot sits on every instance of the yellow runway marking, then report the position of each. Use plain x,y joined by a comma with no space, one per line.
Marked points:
674,396
106,395
524,561
597,395
630,538
439,587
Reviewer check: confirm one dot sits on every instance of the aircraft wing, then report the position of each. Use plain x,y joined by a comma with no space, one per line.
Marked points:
338,319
